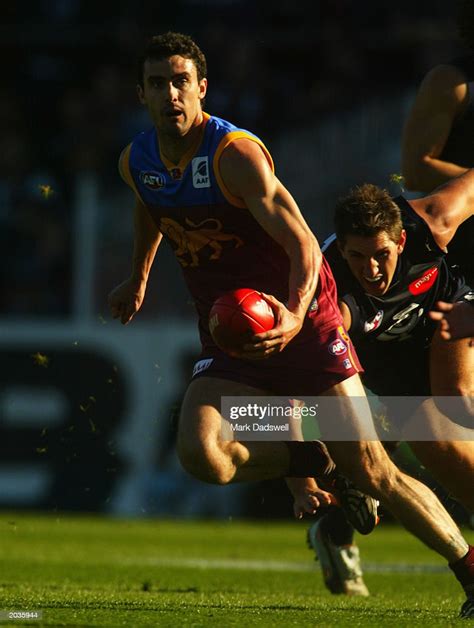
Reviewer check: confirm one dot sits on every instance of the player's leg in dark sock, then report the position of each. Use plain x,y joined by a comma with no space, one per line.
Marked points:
340,531
464,571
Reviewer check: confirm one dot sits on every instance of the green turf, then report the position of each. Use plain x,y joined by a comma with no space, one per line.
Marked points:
92,571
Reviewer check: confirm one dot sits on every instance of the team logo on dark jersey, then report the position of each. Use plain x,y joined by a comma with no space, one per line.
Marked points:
424,283
373,324
200,166
152,180
403,324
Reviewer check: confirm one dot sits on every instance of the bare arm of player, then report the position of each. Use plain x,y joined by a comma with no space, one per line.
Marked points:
346,315
456,320
447,207
441,98
247,175
126,299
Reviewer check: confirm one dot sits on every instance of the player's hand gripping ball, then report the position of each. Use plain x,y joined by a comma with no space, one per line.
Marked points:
236,316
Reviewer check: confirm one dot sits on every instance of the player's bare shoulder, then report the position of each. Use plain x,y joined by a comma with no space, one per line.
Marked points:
123,166
447,83
243,165
242,152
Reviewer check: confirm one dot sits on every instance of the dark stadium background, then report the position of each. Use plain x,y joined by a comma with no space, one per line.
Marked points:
326,84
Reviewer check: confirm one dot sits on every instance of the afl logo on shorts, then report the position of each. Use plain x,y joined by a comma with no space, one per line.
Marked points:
152,180
424,283
338,347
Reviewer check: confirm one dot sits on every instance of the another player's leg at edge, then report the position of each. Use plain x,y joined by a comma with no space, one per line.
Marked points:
340,509
331,536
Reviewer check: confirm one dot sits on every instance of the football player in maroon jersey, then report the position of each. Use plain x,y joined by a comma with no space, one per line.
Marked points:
228,219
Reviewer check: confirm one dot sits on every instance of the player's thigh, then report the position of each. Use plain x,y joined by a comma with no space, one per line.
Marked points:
430,428
200,422
446,458
354,445
452,378
451,366
344,413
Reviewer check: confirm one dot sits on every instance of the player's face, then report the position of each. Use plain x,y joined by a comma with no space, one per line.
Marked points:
172,94
373,260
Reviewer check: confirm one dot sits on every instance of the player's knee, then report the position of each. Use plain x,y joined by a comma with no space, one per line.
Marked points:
458,406
372,471
203,465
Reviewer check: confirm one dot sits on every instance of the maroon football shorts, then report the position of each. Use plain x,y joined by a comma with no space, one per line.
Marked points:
314,361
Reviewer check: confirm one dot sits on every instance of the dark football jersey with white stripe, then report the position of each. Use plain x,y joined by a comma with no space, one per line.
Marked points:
392,332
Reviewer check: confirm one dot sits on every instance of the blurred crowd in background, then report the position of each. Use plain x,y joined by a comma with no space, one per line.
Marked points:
68,104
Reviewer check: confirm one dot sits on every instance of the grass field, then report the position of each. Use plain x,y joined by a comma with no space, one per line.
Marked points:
92,571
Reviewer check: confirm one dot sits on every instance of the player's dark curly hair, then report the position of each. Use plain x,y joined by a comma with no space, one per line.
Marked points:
169,44
366,211
465,22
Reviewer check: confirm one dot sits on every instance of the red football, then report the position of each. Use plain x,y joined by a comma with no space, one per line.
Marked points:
236,316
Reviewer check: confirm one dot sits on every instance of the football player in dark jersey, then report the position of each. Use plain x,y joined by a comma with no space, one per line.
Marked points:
389,261
209,189
438,133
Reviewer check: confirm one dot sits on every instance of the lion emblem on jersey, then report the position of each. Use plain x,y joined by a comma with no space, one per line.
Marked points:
190,242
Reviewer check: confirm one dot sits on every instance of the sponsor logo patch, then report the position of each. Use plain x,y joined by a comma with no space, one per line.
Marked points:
374,323
202,365
423,283
152,180
347,363
200,168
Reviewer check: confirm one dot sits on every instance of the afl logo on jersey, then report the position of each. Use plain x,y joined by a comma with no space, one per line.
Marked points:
201,177
152,180
424,283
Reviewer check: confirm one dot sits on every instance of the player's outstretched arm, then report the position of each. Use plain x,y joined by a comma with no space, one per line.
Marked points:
440,98
456,320
247,175
126,299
